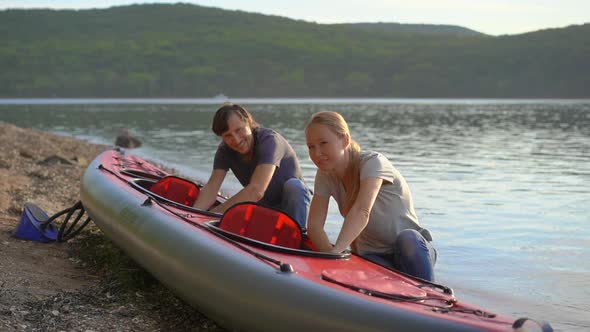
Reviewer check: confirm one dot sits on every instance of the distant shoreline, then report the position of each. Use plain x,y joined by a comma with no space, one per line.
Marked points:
280,101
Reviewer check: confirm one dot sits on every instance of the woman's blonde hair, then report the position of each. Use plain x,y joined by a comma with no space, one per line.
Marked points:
351,180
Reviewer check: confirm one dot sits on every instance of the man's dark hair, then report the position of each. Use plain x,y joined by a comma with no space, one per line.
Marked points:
219,125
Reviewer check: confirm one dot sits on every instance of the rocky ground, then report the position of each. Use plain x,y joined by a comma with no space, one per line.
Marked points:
86,284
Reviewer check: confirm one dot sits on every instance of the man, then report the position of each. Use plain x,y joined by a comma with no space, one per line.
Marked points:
261,159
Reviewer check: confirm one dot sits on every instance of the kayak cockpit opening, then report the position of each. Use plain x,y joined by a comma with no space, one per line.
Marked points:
174,191
268,228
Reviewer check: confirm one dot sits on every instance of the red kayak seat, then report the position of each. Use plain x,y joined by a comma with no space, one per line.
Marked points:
176,189
263,224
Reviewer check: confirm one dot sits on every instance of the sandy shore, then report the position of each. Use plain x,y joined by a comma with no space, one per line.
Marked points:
60,286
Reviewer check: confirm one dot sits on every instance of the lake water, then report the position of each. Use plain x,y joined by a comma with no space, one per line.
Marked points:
504,185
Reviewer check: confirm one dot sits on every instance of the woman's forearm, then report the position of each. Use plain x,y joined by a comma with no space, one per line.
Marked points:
356,220
320,239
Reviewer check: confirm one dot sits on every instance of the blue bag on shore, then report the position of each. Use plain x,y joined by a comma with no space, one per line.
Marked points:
33,225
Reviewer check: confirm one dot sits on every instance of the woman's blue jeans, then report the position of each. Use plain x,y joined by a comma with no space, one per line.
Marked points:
412,255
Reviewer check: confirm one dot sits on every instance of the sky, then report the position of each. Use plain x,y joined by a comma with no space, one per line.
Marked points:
493,17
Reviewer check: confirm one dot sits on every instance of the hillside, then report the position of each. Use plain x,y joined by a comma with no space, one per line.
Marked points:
429,29
185,50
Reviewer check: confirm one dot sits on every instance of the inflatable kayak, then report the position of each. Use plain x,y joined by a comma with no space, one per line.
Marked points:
252,269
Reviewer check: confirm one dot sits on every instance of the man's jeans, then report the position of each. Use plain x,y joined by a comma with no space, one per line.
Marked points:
296,200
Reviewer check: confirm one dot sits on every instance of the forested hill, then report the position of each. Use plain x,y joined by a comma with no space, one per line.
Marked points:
416,28
185,50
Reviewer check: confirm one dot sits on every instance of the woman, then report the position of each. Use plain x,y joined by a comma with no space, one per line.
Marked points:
373,197
261,159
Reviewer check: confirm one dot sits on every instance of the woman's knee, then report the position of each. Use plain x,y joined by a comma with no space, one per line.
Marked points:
414,255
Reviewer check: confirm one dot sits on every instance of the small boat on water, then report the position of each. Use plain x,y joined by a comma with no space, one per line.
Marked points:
252,268
221,96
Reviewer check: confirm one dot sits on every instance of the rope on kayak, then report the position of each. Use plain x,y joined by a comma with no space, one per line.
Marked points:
449,302
430,284
447,308
67,234
476,312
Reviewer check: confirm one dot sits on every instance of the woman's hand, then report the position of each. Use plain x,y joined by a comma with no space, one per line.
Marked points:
334,251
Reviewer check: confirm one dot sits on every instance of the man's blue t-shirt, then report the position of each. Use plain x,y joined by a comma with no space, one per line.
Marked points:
269,148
